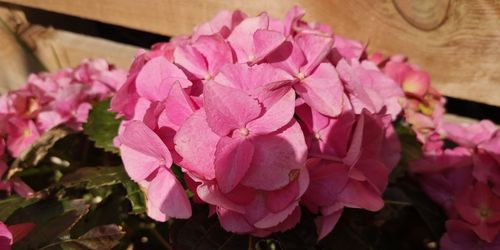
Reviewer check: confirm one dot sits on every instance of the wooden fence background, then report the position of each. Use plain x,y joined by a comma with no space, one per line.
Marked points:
457,41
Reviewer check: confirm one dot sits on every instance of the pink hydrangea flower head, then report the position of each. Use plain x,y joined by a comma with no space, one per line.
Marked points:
241,104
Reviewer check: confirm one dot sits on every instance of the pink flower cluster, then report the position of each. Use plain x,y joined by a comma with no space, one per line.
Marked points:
261,115
13,233
46,101
465,182
423,105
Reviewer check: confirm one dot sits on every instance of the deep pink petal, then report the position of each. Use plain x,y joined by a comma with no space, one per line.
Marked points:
277,157
212,195
6,238
322,90
358,194
19,231
232,160
326,223
233,221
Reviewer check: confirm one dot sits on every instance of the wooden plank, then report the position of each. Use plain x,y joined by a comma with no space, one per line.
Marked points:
59,49
15,63
455,40
55,49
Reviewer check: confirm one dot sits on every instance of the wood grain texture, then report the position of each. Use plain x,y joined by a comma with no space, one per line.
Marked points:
15,63
55,49
457,41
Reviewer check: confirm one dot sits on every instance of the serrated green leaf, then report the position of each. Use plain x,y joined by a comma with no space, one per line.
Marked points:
101,126
135,196
94,177
9,205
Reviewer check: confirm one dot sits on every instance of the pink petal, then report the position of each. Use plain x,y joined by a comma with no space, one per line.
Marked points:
198,151
326,223
232,160
275,157
241,39
249,78
276,116
179,105
6,238
315,48
228,108
354,150
216,51
233,221
212,195
265,42
19,231
142,151
322,90
21,188
157,77
191,60
328,179
273,219
166,193
361,195
280,199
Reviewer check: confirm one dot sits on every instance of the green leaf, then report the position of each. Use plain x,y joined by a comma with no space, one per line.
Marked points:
102,127
9,205
52,219
94,177
135,196
102,237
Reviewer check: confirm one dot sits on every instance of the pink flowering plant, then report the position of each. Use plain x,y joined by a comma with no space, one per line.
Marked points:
250,132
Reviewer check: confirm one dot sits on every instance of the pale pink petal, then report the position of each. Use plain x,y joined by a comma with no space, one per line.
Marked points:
142,151
157,77
276,116
191,60
178,105
196,143
265,42
166,193
315,48
216,51
241,39
228,108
